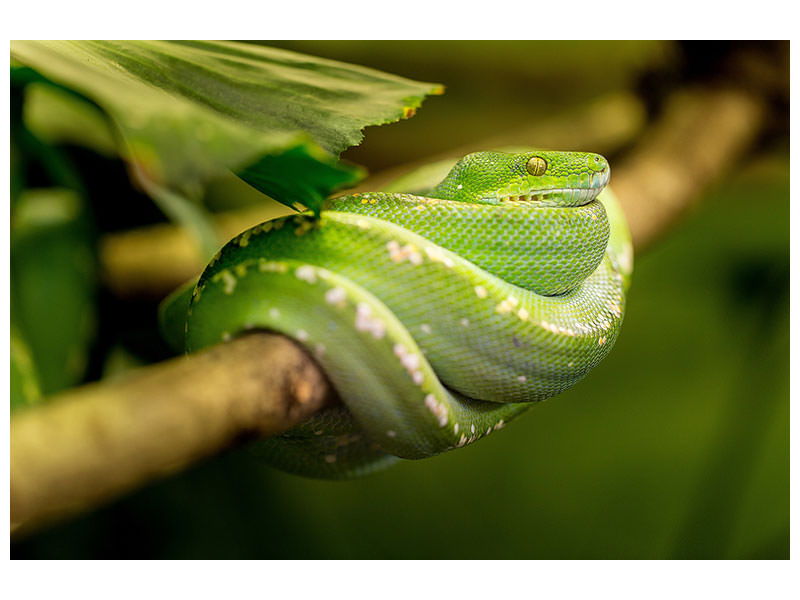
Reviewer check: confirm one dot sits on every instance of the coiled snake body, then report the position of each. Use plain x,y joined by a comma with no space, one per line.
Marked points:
437,317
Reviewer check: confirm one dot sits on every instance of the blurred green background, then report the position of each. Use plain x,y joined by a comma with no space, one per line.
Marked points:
677,446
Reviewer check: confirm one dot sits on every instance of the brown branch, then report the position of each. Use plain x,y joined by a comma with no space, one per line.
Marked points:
699,137
99,441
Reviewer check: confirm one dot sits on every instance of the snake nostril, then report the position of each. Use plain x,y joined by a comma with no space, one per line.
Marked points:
596,163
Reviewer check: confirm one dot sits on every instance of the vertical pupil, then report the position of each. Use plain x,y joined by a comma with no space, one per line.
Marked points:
536,166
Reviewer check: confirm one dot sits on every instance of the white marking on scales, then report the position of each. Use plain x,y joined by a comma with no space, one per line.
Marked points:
410,362
336,296
306,273
367,322
438,409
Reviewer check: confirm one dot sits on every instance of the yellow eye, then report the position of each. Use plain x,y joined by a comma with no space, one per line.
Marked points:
536,166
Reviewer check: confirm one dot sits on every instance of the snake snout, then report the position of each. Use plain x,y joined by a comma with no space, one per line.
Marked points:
596,162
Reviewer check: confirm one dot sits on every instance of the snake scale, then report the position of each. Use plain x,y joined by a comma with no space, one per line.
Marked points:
437,317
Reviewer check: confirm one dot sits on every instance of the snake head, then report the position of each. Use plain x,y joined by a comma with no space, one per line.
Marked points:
547,177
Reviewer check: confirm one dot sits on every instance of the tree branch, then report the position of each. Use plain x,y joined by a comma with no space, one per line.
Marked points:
96,442
699,137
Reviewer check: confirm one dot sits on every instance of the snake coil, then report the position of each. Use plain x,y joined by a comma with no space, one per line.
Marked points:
437,317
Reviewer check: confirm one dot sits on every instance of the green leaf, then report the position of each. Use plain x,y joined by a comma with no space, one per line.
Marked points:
186,112
25,389
56,116
53,279
299,182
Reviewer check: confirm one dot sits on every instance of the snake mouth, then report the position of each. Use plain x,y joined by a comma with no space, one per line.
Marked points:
574,190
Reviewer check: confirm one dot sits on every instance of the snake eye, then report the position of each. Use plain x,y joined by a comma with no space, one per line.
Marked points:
536,166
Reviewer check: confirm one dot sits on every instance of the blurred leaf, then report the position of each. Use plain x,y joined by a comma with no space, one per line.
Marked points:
25,390
53,283
422,179
185,210
188,111
52,264
56,116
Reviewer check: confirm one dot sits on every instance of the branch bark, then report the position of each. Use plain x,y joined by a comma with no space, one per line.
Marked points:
99,441
700,136
96,442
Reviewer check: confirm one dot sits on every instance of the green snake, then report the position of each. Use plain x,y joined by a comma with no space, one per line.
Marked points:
437,317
